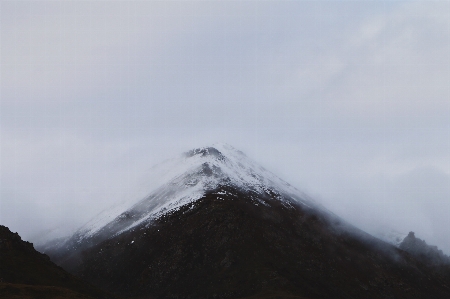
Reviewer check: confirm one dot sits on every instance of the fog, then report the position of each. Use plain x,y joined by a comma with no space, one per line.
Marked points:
348,101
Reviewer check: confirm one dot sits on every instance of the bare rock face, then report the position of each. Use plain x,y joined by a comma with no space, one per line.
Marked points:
428,254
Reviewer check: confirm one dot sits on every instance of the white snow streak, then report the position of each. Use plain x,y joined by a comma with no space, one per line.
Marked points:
185,179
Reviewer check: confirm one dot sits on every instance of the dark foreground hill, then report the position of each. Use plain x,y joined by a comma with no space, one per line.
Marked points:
26,273
221,246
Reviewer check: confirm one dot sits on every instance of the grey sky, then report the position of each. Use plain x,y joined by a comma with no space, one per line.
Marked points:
349,101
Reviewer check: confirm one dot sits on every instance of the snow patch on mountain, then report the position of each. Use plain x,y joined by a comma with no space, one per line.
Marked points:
186,179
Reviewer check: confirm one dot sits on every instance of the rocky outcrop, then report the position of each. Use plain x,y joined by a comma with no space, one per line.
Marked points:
428,254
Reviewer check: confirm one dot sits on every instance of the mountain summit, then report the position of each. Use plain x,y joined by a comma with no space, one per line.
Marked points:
188,178
221,226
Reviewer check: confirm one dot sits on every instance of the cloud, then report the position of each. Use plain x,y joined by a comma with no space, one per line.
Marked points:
408,62
342,99
416,200
56,55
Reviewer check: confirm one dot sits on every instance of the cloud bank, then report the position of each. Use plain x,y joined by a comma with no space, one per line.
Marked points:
349,101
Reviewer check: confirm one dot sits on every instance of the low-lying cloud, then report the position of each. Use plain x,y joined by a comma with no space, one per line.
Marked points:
347,100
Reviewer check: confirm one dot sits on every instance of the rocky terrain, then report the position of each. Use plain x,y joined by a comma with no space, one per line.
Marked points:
428,254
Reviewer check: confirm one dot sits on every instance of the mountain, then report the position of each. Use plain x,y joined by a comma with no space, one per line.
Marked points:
221,226
182,181
26,273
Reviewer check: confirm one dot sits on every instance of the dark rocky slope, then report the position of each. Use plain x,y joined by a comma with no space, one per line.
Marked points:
428,254
26,273
229,247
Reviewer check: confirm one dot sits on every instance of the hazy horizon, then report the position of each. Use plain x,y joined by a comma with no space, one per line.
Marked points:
348,101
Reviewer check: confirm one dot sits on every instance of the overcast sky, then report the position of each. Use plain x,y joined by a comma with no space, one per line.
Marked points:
348,101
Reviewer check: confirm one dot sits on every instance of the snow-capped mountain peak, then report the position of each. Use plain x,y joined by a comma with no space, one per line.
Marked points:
187,178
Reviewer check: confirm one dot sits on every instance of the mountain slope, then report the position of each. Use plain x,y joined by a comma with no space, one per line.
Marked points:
185,179
182,180
26,273
222,227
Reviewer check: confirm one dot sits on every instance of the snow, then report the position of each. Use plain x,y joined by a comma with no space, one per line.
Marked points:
185,179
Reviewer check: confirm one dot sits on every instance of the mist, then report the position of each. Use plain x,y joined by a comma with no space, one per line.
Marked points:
348,101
